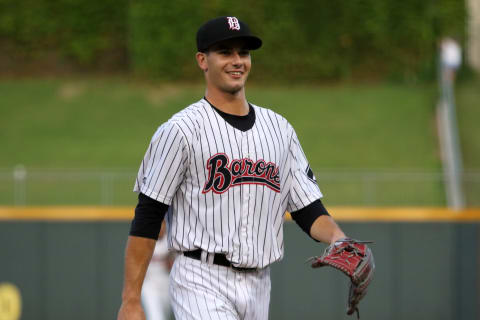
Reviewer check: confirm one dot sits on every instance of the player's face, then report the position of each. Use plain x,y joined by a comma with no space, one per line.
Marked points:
227,66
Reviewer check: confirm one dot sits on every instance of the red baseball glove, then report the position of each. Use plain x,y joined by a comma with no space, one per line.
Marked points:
355,259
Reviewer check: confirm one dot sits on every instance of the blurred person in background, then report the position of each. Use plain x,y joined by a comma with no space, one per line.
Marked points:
155,296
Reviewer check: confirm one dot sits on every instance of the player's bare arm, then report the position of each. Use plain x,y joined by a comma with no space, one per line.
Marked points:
138,253
325,229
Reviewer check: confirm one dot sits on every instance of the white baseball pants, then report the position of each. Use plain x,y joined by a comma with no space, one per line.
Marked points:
201,290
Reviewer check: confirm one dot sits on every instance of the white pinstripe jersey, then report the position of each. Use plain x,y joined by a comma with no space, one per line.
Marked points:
228,190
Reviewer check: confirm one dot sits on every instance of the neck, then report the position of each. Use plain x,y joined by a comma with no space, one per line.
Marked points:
235,103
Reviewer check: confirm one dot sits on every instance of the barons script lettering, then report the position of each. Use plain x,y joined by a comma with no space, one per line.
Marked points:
222,174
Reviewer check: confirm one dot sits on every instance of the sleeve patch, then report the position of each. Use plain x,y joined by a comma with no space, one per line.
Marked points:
310,174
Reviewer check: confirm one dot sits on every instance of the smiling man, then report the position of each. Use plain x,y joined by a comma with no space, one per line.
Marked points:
226,67
223,171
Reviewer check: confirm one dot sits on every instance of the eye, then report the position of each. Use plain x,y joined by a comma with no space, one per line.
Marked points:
244,52
224,52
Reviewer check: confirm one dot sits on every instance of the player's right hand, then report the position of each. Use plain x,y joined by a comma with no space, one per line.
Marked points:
131,311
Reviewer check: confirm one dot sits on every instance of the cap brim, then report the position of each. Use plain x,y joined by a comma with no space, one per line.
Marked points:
253,43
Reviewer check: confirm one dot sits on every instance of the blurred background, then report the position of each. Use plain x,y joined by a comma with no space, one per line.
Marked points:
384,95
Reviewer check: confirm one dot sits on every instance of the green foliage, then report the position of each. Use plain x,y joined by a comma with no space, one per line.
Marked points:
157,42
303,40
81,30
306,40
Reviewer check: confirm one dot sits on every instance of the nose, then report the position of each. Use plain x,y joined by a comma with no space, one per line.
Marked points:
236,58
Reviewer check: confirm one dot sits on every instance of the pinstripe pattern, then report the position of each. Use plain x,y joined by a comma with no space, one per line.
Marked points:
200,290
243,219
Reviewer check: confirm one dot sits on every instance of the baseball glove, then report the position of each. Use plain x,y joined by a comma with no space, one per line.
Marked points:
355,259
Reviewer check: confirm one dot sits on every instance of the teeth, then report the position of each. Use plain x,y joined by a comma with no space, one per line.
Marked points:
236,73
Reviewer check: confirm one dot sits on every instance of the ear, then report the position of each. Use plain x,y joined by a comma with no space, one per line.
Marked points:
202,61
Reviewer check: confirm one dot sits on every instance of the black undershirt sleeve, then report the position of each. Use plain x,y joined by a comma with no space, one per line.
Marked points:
306,217
149,214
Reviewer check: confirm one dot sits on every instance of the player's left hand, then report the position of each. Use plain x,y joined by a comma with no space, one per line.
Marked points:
355,259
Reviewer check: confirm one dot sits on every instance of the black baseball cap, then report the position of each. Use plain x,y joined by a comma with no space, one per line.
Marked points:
225,28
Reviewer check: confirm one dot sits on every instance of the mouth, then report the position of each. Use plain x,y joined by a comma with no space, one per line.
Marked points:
235,74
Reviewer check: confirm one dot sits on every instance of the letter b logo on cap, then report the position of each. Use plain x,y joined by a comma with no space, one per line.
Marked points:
233,23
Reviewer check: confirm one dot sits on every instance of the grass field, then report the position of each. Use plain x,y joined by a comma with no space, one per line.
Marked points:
468,105
99,124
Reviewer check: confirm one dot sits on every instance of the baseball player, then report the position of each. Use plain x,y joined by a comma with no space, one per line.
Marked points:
222,172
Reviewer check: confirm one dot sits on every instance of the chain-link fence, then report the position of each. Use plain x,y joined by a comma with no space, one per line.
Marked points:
21,186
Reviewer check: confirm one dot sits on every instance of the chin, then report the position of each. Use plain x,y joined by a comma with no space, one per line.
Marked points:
234,88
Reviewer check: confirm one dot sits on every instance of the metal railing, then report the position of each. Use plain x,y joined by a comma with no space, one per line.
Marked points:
66,186
449,138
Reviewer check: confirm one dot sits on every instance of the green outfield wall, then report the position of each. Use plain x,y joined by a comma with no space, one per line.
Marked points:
425,270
